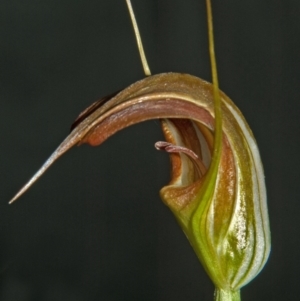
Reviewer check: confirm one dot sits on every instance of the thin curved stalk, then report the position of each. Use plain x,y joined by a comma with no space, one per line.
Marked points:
138,39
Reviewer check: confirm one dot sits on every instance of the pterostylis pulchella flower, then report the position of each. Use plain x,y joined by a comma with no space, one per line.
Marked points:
217,190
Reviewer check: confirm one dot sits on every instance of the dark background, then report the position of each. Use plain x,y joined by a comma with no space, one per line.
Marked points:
94,228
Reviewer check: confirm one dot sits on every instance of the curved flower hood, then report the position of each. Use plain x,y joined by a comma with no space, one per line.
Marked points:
223,213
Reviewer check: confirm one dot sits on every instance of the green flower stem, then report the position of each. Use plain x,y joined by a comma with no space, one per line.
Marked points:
222,295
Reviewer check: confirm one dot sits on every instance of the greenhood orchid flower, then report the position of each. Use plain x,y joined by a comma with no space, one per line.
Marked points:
222,210
217,190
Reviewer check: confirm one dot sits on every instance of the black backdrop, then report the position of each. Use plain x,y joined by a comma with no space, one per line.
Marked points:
94,228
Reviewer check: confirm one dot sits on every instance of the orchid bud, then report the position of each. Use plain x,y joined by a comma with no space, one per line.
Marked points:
219,201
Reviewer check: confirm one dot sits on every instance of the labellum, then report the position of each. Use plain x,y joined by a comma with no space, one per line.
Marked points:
217,190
